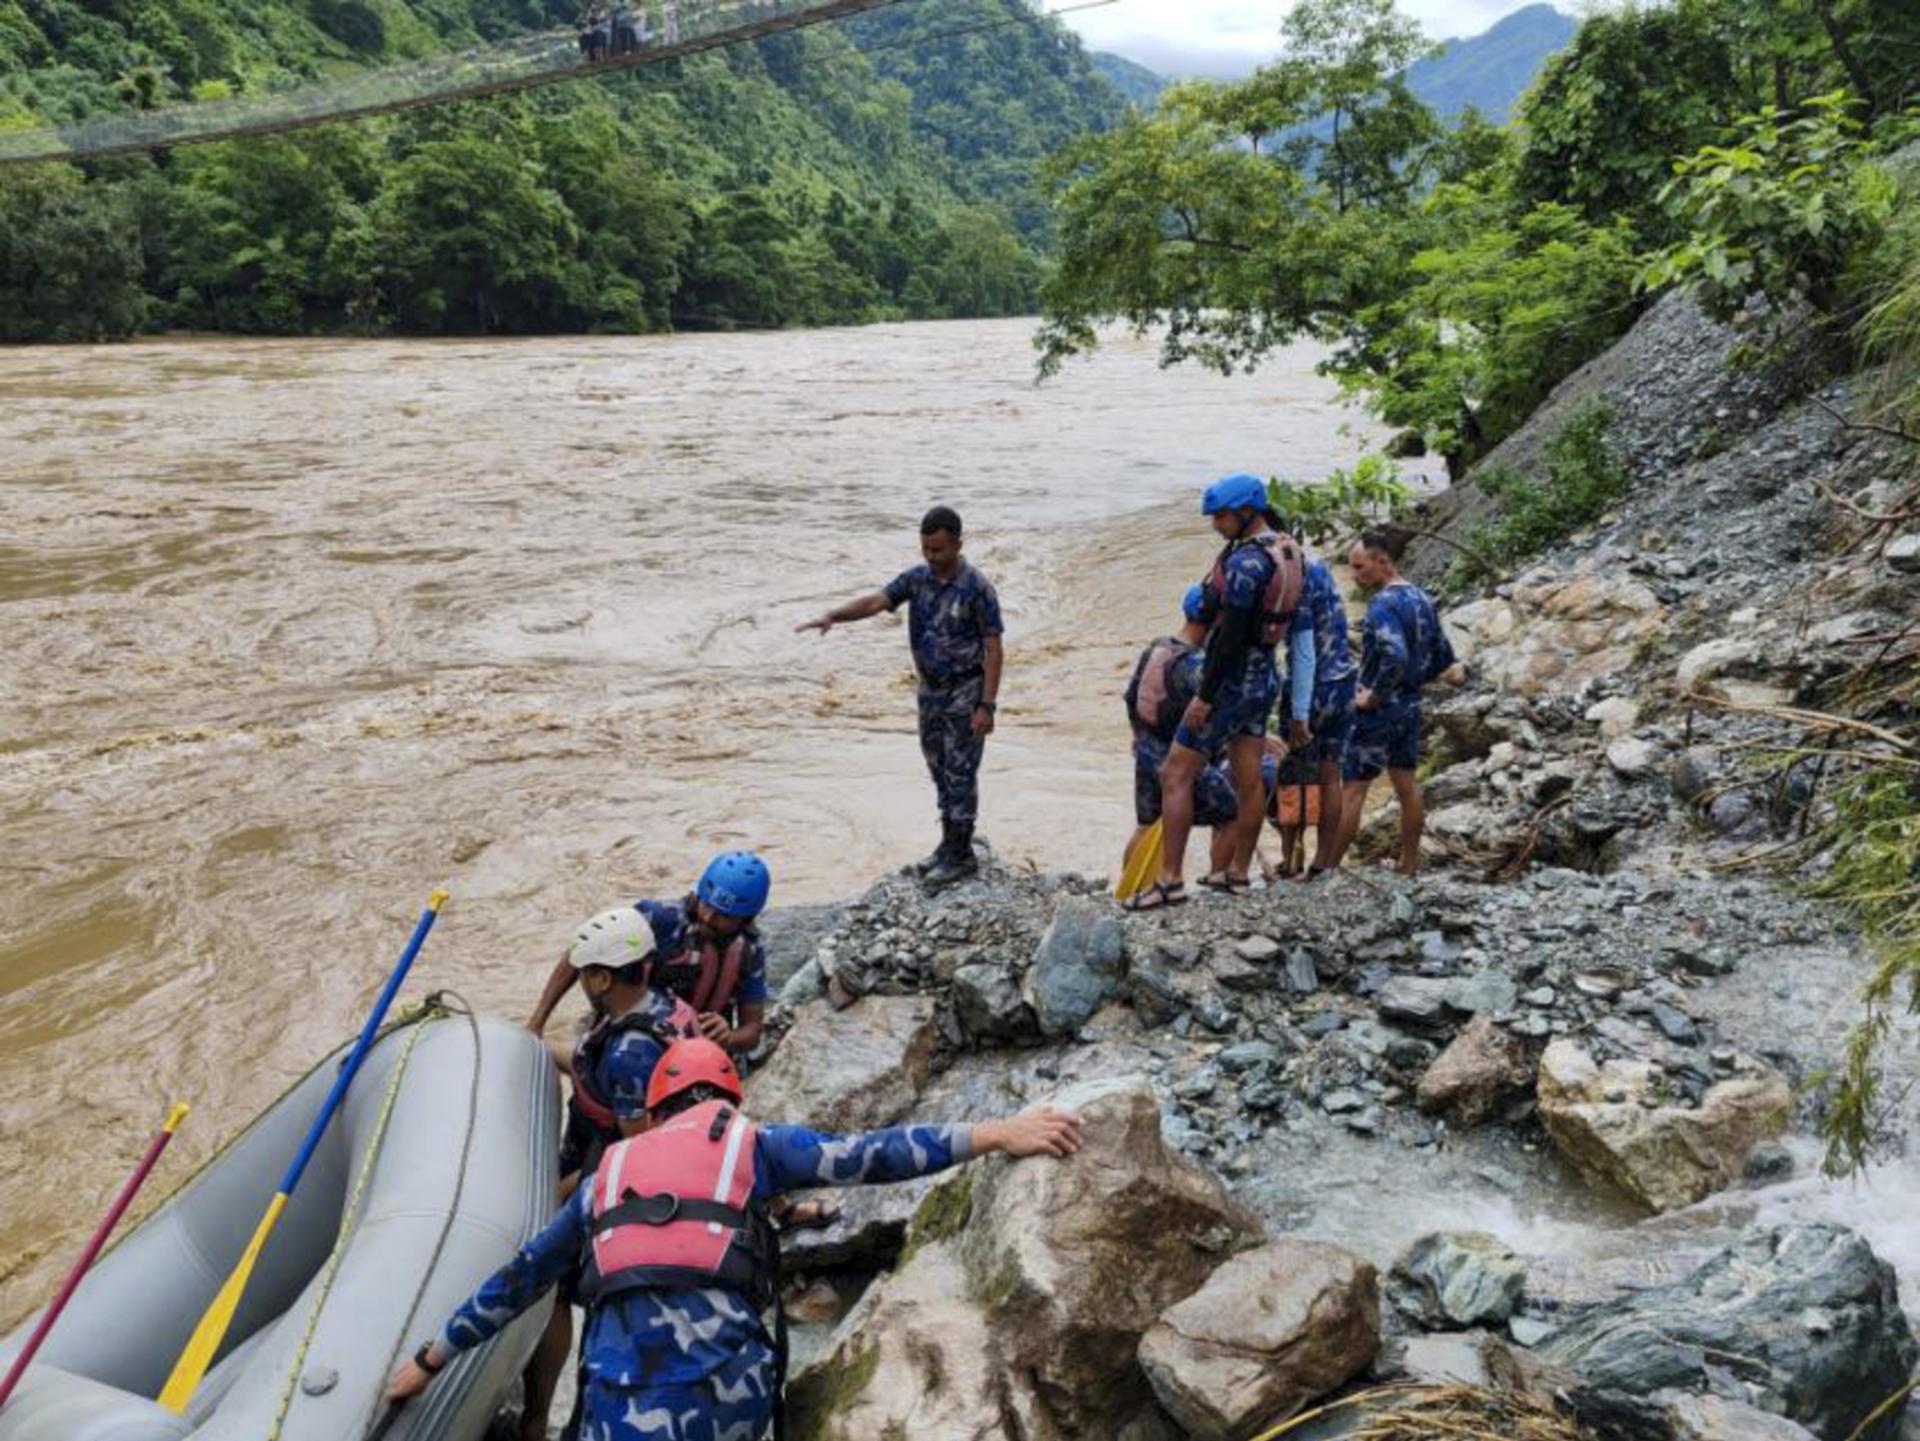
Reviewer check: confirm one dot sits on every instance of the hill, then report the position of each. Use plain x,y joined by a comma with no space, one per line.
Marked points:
889,173
1134,81
1491,71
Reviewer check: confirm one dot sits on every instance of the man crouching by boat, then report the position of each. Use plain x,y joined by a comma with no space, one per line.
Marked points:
681,1261
709,953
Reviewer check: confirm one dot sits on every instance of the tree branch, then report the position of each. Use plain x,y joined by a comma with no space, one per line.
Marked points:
1851,424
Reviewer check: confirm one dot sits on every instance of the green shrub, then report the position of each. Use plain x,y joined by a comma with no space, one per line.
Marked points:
1583,478
1345,502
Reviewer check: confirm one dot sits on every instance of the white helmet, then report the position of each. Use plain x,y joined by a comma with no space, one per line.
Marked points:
613,939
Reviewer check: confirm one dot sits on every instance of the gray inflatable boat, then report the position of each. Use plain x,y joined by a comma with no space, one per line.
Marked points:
391,1228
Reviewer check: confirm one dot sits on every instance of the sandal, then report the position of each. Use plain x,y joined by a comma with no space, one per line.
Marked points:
1156,897
1226,883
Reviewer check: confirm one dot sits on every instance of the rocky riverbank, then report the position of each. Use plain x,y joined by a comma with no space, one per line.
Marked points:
1544,1116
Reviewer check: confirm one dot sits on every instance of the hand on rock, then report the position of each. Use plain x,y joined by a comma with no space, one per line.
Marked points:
408,1380
1037,1131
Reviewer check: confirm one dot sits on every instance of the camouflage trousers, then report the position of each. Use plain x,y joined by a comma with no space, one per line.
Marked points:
673,1413
951,749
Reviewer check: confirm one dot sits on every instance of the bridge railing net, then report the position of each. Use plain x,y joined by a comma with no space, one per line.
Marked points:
689,26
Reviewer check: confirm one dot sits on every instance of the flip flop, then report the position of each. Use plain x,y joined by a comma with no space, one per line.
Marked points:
1156,897
1226,884
813,1215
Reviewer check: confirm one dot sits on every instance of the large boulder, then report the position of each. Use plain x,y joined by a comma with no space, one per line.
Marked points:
1609,1120
1030,1284
1271,1330
1479,1069
848,1070
1450,1280
1804,1321
1558,636
1077,966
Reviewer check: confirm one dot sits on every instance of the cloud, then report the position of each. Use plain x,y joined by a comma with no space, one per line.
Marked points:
1230,37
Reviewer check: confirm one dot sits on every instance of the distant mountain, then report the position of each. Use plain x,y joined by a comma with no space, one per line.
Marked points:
1492,71
1137,84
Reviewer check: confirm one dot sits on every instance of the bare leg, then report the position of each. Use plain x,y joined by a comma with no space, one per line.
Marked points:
1243,758
1177,776
1353,804
1326,842
1221,855
550,1357
1413,818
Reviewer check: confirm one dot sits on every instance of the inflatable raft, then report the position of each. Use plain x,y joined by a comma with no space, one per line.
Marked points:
438,1166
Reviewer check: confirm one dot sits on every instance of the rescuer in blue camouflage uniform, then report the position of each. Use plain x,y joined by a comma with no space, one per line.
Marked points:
1331,723
954,627
700,1364
1239,683
1403,649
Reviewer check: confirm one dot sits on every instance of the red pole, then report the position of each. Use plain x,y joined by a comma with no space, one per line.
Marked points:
120,1204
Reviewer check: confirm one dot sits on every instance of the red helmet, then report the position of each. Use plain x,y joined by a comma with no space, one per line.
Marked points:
691,1062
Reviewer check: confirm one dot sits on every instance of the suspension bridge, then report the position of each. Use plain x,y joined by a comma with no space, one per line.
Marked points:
549,58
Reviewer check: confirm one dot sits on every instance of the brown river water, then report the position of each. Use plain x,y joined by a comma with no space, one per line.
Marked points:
297,630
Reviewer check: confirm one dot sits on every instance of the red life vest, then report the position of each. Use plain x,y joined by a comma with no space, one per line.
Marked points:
674,1208
707,978
1284,587
594,1107
1156,706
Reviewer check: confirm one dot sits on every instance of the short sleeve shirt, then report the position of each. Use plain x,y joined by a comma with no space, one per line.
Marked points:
673,936
626,1065
948,622
1333,655
1402,643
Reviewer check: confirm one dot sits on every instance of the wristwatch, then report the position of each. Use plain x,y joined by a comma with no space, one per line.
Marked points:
423,1358
988,706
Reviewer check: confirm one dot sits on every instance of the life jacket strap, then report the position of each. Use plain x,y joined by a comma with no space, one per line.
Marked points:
666,1208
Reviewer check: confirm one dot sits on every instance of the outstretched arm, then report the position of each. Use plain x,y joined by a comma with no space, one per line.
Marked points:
559,982
501,1297
867,605
795,1158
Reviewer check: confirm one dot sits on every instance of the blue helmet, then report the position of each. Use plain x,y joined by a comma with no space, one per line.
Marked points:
736,884
1233,493
1194,607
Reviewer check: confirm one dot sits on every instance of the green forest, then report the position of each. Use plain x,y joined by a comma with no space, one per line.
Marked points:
882,167
1459,271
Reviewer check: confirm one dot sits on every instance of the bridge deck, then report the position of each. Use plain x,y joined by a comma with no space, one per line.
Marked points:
550,58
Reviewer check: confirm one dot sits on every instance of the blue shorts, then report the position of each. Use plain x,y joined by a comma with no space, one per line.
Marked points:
1332,724
1214,800
1241,708
1385,738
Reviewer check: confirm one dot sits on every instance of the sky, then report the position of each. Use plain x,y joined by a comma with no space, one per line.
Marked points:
1229,37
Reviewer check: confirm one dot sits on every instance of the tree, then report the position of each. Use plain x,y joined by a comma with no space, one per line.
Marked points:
70,258
1351,54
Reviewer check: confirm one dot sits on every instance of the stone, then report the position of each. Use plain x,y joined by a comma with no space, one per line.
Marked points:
1247,1055
1445,1360
1271,1331
809,983
1720,669
847,1070
1076,967
1342,1102
1714,1418
1301,976
1488,991
1415,1001
1804,1320
1451,1280
1260,949
1631,758
987,999
1676,1025
868,1235
1902,553
1731,812
1004,1316
1154,997
1476,1073
1615,716
1613,1122
1692,772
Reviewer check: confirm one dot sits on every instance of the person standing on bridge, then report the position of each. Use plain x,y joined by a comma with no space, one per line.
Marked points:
953,625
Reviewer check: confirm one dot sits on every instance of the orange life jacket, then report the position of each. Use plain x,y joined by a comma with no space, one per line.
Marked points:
595,1108
1284,587
674,1209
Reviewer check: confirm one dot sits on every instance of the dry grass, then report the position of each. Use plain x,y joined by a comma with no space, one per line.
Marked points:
1442,1413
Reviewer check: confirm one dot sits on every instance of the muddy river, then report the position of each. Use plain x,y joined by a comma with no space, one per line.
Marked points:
297,630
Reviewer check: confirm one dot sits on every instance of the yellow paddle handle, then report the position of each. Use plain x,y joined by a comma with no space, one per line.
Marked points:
176,1116
198,1356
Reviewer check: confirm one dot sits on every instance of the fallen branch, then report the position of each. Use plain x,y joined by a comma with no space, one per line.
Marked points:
1486,565
1812,719
1849,423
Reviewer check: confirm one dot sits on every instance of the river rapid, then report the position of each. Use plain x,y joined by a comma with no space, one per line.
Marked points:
298,630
